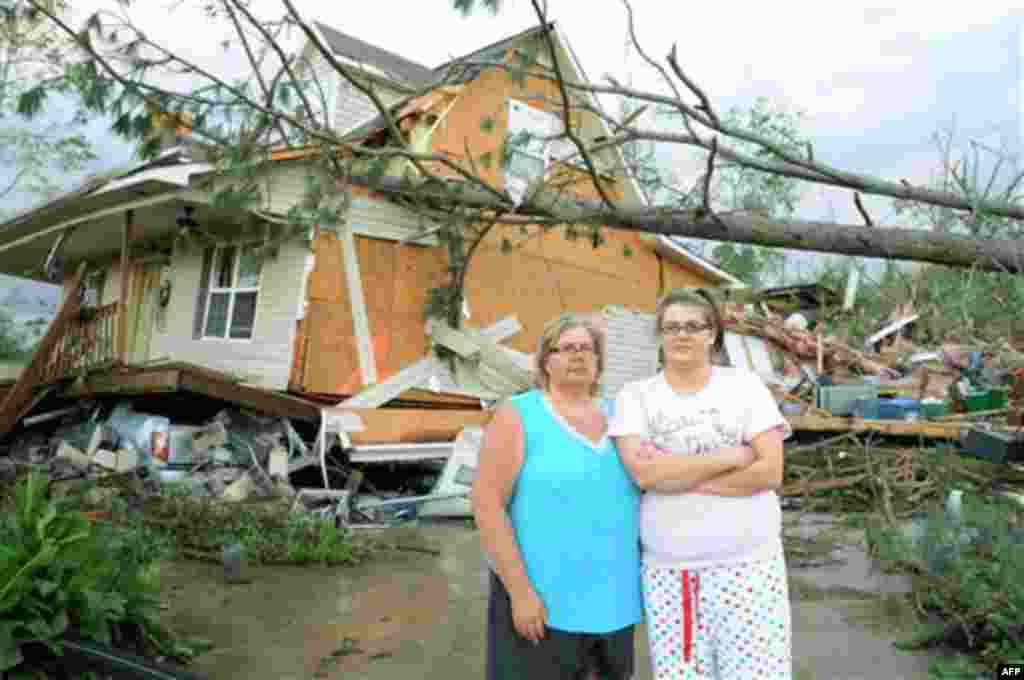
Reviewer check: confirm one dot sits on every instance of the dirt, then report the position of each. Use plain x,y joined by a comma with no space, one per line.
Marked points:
415,614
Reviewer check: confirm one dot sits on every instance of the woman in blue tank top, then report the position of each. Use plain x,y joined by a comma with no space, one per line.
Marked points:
558,516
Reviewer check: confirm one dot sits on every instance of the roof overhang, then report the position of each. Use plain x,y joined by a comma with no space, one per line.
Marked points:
25,240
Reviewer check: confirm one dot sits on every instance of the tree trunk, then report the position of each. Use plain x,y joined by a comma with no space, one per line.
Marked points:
894,243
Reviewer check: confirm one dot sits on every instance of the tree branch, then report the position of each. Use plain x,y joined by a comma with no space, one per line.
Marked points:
566,121
863,212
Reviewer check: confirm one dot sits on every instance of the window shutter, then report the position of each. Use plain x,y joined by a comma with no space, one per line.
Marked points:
204,289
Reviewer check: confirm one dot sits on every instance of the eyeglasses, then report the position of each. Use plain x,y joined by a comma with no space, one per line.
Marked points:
690,327
573,348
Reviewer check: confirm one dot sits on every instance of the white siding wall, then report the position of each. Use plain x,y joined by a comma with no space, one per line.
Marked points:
351,107
266,359
368,217
632,350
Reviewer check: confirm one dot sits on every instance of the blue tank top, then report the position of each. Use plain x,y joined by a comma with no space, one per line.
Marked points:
575,511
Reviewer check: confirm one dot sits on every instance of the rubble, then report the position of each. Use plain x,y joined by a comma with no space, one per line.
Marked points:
236,456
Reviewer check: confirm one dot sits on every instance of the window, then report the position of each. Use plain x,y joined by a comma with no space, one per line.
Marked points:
531,148
233,291
528,130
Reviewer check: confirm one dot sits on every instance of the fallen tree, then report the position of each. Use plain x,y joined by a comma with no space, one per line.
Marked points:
124,71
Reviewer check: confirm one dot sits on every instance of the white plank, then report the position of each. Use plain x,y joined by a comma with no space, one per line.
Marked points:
357,302
409,377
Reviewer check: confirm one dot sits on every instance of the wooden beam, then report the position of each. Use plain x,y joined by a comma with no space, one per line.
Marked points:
357,303
21,394
265,401
145,382
909,428
122,318
412,425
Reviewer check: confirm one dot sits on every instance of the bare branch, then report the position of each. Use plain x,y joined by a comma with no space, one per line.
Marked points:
707,176
256,67
705,103
862,210
566,120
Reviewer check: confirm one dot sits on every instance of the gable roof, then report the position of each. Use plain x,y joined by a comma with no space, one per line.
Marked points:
365,53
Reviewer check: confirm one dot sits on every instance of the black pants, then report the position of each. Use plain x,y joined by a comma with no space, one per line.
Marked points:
559,656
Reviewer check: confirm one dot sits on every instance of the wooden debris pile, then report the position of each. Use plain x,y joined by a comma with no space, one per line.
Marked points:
861,472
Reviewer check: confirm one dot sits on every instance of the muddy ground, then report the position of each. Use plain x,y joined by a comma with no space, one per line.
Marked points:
411,614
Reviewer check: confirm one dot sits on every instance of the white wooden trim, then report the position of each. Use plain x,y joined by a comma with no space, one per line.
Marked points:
419,372
406,379
357,302
67,224
232,291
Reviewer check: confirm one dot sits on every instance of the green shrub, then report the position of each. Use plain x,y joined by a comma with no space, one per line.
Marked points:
60,574
968,586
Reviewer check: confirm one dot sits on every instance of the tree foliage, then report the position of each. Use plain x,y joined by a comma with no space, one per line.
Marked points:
36,154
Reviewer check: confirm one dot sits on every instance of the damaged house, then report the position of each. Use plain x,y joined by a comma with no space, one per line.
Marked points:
165,292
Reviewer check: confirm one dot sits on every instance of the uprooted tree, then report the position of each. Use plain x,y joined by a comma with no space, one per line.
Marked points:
280,103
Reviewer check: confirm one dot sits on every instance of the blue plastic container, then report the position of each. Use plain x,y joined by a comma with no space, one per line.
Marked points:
900,408
865,407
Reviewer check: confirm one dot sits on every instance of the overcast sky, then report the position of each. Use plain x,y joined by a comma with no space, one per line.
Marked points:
874,82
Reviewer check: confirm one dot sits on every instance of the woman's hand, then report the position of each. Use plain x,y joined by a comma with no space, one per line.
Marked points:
529,615
740,456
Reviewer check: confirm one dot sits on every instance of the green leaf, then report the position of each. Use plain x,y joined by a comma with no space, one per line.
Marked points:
488,124
627,251
45,586
31,101
10,650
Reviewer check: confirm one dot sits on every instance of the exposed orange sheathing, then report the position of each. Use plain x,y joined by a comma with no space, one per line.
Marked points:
395,279
543,276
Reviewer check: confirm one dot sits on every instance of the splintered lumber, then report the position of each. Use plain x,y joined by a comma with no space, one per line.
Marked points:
12,408
933,430
413,425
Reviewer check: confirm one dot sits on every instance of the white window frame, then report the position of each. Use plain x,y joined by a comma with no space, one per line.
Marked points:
540,123
232,292
564,150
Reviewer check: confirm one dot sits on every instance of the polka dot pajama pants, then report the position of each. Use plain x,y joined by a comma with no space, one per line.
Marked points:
723,623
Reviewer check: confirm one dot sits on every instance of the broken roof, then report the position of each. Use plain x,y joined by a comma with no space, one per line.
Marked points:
365,53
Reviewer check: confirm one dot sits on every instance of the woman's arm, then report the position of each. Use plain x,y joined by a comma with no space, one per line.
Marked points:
500,460
764,474
673,474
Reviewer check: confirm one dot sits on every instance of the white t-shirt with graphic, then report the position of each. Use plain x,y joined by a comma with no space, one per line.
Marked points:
696,531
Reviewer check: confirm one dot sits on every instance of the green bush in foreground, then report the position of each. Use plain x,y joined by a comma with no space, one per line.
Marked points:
968,589
61,574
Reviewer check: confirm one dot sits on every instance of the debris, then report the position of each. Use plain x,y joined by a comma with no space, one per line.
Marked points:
149,434
235,564
106,459
240,489
214,434
70,453
278,466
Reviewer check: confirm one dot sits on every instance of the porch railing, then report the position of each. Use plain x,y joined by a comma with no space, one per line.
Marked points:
89,341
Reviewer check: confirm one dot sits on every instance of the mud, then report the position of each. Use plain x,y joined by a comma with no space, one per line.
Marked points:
416,615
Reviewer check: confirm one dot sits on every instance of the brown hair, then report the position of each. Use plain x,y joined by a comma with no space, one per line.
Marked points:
691,297
553,331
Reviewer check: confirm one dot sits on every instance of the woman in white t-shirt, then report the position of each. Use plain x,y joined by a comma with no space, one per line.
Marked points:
705,444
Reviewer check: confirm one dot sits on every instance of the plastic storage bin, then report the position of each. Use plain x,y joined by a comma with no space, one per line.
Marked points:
899,409
933,408
865,407
839,399
977,400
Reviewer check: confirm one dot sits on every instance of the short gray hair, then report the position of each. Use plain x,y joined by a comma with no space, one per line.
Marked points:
549,337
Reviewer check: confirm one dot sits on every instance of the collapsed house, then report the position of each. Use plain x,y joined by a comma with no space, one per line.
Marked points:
166,293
